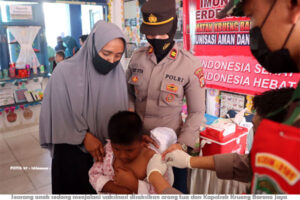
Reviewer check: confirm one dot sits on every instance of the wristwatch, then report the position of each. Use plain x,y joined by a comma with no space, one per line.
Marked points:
184,147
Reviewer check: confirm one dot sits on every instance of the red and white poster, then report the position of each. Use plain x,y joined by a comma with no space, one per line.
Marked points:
222,46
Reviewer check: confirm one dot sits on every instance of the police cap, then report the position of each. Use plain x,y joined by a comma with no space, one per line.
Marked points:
158,16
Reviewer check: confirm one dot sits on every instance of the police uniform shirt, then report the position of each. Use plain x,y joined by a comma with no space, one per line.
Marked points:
156,91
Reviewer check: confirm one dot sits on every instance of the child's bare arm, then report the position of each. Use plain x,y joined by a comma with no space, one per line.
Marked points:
111,187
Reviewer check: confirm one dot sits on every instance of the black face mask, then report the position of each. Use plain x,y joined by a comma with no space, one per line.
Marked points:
279,61
102,66
162,47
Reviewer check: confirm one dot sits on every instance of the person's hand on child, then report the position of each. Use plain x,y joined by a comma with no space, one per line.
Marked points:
148,139
126,178
94,146
179,159
171,148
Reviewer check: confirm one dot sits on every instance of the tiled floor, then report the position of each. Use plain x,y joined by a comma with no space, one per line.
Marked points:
19,152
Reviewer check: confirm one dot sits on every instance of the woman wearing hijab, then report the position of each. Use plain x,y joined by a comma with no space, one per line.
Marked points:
161,75
81,96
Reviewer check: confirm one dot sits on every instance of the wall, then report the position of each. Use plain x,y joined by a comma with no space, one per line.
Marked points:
75,18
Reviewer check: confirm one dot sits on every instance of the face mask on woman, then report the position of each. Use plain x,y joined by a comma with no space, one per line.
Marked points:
278,61
102,66
162,47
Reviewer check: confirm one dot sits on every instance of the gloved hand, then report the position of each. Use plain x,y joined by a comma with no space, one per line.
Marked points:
178,159
156,164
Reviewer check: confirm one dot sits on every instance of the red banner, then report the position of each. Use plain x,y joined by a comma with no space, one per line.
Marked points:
222,46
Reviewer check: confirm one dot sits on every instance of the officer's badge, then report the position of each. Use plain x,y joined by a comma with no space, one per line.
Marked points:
199,72
172,88
170,98
173,54
152,18
134,79
150,50
166,46
200,75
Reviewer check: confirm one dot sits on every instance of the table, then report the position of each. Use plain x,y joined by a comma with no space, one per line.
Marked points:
206,182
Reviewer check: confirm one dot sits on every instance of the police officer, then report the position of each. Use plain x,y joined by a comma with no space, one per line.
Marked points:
161,75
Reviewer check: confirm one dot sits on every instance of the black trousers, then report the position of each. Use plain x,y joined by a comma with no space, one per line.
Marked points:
180,179
69,171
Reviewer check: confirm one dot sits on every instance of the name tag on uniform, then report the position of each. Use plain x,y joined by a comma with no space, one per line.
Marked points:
174,78
136,70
